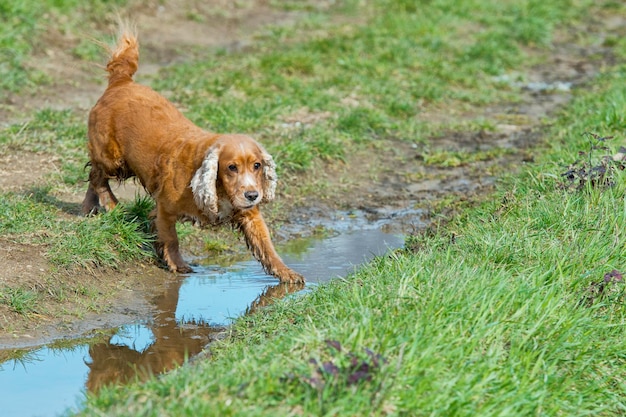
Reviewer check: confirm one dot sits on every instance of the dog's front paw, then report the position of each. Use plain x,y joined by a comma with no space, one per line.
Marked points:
174,261
289,276
181,269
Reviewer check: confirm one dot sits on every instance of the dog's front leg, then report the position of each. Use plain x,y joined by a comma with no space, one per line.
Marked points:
167,241
258,240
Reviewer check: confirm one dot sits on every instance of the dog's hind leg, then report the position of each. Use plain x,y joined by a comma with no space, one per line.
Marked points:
99,195
167,241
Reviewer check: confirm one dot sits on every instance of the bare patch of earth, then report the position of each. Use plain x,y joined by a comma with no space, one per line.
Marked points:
80,302
393,182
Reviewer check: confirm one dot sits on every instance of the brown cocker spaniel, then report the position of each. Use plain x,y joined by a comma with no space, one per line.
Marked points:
191,173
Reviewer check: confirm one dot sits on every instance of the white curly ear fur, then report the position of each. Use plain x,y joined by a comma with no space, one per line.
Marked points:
269,175
204,180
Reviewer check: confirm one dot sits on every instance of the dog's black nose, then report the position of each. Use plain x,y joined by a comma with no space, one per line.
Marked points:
251,195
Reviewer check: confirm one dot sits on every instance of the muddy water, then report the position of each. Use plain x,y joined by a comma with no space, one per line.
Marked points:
191,312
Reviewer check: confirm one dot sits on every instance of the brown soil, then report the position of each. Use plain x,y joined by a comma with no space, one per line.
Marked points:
395,180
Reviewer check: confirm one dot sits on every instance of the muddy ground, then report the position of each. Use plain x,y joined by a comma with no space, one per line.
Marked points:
391,182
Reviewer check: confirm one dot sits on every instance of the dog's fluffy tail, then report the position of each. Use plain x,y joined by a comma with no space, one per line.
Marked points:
124,58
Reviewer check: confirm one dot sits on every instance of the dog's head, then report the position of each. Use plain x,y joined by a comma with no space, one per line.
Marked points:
242,171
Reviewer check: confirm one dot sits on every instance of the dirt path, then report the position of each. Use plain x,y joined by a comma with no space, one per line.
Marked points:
403,181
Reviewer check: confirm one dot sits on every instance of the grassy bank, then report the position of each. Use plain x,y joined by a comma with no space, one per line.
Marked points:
515,308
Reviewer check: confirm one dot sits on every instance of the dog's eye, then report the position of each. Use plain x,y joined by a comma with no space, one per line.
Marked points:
257,165
232,168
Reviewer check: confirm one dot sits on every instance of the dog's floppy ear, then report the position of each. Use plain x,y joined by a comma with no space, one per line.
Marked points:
203,183
269,175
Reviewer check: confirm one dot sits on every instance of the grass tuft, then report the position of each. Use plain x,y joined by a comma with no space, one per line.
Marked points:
19,300
106,240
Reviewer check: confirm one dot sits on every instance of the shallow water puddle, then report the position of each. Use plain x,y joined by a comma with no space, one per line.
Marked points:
192,311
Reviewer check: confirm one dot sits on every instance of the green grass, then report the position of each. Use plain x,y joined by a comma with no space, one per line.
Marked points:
24,24
454,159
374,79
110,240
107,240
19,300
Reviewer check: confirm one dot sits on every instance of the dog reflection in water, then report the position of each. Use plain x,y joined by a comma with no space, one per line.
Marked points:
174,342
